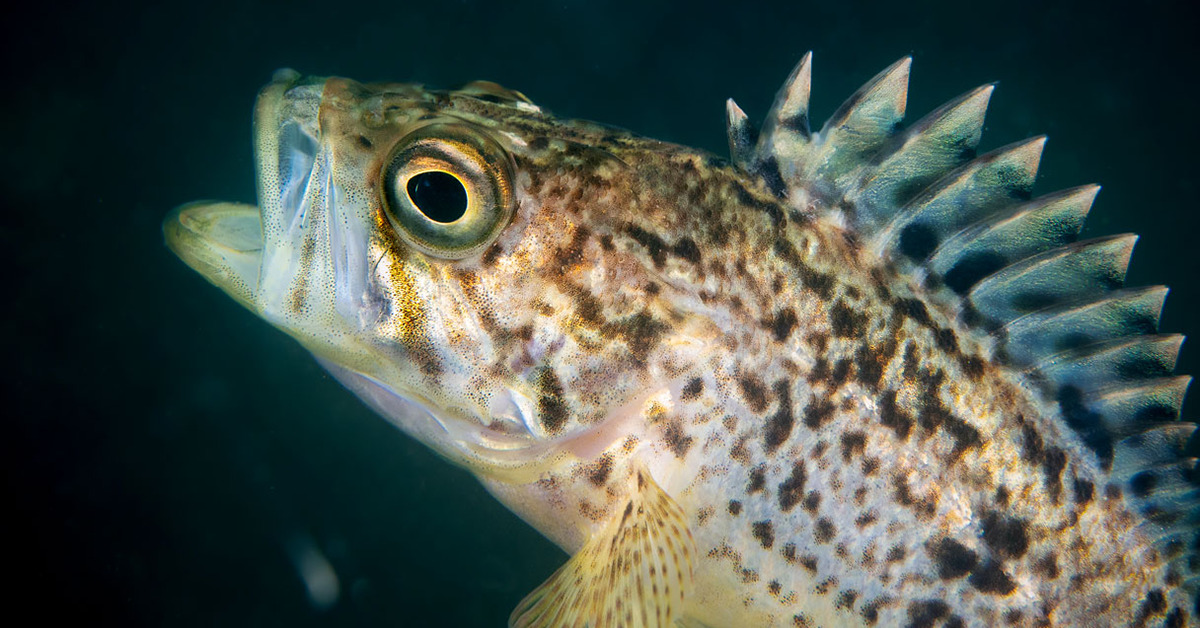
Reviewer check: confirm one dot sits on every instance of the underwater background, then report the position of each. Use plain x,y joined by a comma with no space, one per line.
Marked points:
170,460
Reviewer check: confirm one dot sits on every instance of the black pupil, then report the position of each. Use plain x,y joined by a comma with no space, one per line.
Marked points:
439,195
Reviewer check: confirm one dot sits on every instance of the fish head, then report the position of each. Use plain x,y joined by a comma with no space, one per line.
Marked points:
449,256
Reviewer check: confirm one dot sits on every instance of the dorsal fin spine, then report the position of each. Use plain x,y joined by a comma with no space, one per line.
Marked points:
965,226
741,135
939,142
790,109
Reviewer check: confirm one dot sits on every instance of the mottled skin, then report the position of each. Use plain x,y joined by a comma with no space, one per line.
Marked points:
844,450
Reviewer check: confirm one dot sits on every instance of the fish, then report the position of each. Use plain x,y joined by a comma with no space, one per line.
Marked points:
850,375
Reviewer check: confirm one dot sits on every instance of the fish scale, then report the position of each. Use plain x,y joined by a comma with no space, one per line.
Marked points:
855,376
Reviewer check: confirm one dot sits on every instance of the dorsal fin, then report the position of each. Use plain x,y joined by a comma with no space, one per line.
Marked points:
968,226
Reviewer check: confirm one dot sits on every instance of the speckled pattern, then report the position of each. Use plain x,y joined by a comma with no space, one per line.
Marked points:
845,446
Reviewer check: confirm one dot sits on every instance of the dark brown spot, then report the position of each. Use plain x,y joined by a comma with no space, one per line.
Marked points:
916,310
895,553
641,333
972,366
1047,566
364,142
934,415
686,249
1053,464
870,610
1154,604
735,507
870,465
676,438
820,371
779,425
764,532
870,364
587,306
947,340
754,393
739,452
552,410
990,578
824,531
818,282
812,502
1031,443
758,479
892,416
924,613
692,389
911,363
654,245
598,472
1176,619
817,412
825,585
783,323
788,552
1004,535
1083,491
571,255
952,559
792,489
845,600
865,519
809,562
853,444
845,322
841,370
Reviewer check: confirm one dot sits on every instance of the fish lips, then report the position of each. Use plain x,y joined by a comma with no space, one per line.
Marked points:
221,241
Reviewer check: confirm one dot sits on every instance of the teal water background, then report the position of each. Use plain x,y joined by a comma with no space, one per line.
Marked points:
164,453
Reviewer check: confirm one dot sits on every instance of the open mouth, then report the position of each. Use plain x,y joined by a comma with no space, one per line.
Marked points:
225,242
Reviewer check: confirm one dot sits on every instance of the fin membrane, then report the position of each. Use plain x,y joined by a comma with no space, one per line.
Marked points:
634,572
969,226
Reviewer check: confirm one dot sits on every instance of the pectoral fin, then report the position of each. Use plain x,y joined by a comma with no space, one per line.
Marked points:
635,572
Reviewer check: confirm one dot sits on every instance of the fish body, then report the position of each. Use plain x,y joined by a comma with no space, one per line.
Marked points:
853,376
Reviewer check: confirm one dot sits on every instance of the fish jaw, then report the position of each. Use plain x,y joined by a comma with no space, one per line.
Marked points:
222,242
280,259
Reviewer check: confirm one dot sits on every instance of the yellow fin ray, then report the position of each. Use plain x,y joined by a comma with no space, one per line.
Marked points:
634,572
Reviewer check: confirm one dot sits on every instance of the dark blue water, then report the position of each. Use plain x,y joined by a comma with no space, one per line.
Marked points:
166,456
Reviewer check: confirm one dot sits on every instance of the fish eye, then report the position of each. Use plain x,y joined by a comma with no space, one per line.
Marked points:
439,195
448,189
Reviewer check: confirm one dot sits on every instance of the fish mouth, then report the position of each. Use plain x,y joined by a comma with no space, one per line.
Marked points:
224,241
